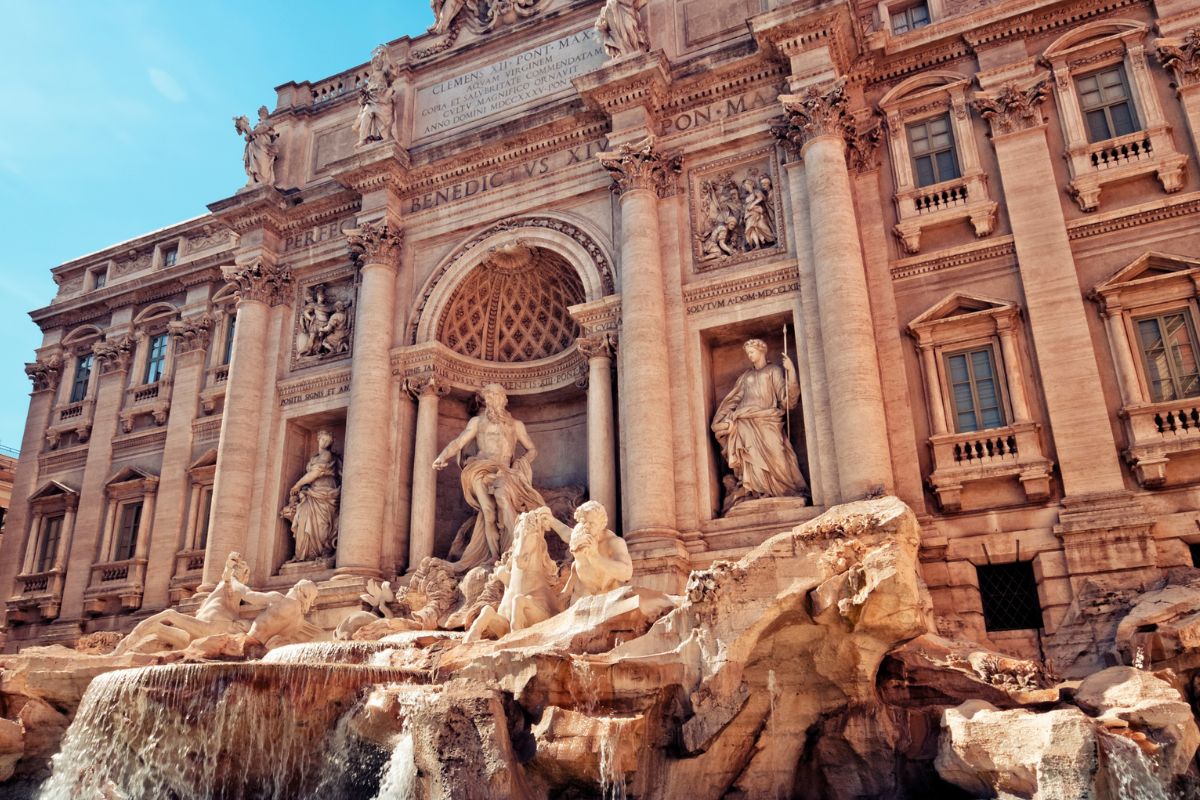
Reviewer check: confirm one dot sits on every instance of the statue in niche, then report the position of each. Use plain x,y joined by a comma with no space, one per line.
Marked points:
620,29
260,153
312,507
217,615
376,97
495,481
444,12
749,425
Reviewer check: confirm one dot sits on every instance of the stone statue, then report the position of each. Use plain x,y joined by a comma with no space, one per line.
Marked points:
334,335
602,560
758,227
717,243
376,97
261,151
444,12
312,507
620,29
218,614
532,594
495,482
749,424
314,313
283,621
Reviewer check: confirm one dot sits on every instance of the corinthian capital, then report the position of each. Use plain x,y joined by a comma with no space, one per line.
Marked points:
114,355
641,166
191,334
1012,109
259,281
599,346
426,384
375,243
816,112
1182,57
45,373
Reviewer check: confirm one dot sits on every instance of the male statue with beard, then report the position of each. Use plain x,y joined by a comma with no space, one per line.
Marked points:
495,481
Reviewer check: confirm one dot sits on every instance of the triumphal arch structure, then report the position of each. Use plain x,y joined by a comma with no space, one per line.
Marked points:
714,264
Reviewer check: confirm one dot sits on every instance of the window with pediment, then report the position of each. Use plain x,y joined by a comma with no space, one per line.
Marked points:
935,158
1112,121
981,427
1151,310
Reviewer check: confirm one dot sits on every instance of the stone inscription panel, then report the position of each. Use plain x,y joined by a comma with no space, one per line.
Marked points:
515,81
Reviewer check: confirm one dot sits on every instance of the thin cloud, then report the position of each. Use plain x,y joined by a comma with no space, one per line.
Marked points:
166,85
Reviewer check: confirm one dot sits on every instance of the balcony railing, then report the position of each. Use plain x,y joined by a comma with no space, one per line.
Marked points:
1095,165
948,202
1158,433
1013,452
1118,152
949,195
113,583
39,596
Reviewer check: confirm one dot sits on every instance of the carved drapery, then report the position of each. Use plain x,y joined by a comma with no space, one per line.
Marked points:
115,355
259,281
1182,57
641,166
375,243
191,335
45,373
1012,109
818,111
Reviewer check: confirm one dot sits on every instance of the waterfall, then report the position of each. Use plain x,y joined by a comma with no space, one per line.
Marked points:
328,653
1128,772
269,731
400,780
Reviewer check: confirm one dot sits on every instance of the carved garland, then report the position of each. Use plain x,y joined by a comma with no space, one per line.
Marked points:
113,356
45,373
586,241
191,335
1182,57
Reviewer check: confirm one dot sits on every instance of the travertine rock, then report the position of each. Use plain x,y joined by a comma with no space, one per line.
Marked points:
12,747
987,752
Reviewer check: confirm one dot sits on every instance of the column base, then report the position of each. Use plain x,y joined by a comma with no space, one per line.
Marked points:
354,573
661,563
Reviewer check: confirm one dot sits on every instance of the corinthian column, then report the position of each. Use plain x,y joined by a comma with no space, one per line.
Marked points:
261,285
817,124
642,175
365,467
428,390
601,456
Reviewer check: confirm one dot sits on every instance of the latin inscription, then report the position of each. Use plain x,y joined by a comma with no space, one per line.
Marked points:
314,394
720,110
516,80
317,234
517,173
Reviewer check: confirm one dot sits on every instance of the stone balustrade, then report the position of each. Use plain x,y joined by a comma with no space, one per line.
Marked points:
115,584
1006,453
1159,433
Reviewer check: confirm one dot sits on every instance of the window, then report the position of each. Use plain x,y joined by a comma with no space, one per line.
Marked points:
99,278
1107,107
931,144
1009,595
131,518
156,358
910,18
227,356
1168,346
974,390
202,521
170,256
48,546
83,373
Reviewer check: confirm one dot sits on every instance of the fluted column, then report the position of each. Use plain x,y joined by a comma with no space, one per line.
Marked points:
817,125
601,455
261,285
642,175
368,435
428,390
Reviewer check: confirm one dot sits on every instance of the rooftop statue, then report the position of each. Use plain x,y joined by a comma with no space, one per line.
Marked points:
495,481
444,12
621,30
376,97
261,151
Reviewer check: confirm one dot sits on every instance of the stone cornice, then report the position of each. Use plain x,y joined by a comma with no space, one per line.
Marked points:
795,29
202,224
641,165
379,166
261,207
974,253
641,80
598,316
716,294
1125,218
331,205
417,364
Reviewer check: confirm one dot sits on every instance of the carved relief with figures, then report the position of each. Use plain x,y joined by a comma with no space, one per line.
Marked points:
736,211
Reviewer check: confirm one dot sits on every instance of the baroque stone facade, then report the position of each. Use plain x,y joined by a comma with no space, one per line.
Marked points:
597,218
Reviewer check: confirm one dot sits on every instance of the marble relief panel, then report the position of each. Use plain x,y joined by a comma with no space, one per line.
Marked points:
324,320
736,210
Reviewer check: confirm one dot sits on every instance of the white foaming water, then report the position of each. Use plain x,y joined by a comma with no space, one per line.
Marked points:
327,653
221,732
1128,770
400,780
612,775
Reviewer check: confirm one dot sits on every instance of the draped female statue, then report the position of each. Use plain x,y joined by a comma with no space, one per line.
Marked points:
312,505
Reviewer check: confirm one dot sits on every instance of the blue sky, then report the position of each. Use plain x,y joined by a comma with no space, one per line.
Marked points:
117,121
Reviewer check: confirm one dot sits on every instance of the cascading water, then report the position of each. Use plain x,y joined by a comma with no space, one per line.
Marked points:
266,731
400,780
1129,772
328,653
